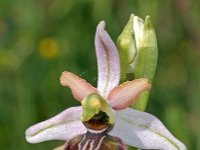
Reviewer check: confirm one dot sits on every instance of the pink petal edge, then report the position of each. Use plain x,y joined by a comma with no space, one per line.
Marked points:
79,87
126,93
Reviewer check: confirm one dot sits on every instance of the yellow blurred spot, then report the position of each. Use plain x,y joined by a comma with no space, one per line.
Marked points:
48,48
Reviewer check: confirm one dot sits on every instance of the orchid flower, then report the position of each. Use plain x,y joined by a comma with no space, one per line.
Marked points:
105,110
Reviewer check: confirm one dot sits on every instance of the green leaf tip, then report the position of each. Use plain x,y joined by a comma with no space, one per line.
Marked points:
149,36
148,21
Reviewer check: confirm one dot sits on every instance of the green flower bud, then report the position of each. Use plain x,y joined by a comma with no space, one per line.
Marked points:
126,47
138,56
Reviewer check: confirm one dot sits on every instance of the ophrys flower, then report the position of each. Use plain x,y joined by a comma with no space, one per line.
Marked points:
105,109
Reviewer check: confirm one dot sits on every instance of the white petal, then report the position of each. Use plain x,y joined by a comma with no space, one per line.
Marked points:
108,61
144,131
64,126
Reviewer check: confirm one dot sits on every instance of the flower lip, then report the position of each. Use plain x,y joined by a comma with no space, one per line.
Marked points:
99,122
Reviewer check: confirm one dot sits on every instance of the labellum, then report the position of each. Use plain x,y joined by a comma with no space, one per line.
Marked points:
95,118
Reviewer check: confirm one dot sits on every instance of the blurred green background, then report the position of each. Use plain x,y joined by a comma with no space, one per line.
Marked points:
41,38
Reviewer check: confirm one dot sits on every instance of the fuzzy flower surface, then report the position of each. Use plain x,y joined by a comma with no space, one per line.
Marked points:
133,127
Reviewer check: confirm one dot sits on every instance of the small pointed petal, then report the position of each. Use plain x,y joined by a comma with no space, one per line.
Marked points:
108,61
125,94
64,126
80,88
144,131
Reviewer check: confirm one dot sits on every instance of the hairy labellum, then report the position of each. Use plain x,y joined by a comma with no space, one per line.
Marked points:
95,141
96,137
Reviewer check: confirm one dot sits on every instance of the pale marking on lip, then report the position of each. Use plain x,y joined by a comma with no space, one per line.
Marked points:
97,131
100,142
79,145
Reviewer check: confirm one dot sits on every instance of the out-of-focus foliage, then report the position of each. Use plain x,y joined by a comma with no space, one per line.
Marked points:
41,38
